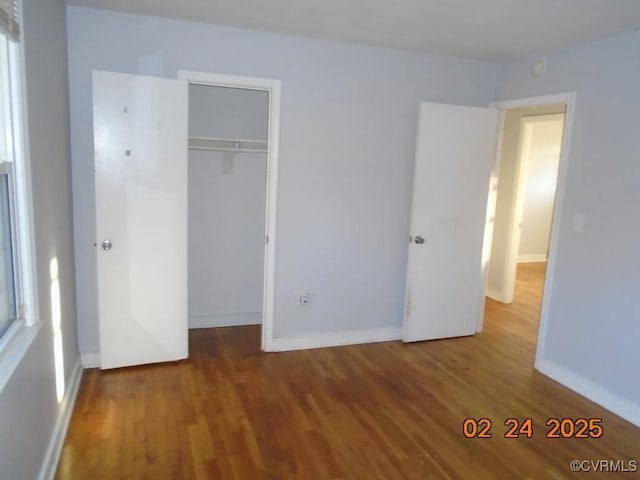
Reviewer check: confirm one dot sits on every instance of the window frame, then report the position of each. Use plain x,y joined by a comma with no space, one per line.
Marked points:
6,169
18,337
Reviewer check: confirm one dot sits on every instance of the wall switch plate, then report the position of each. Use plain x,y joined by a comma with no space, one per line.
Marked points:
303,298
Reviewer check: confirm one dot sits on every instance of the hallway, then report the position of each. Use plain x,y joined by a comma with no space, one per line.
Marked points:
522,317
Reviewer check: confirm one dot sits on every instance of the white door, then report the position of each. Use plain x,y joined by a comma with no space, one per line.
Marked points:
140,140
455,154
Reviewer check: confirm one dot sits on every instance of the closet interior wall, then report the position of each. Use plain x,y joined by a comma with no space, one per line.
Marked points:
227,197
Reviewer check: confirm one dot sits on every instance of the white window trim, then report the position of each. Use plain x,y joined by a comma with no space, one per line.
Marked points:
24,203
13,347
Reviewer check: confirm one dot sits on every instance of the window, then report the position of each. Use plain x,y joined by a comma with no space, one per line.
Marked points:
12,170
8,303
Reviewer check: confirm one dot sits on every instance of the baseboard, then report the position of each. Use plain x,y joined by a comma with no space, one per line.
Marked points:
52,456
225,320
497,296
334,339
90,359
594,392
533,258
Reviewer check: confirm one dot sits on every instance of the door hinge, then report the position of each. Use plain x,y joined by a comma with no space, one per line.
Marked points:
266,239
22,312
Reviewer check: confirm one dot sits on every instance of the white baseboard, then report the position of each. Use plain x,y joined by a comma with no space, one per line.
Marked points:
334,339
497,296
52,456
225,320
532,258
594,392
90,359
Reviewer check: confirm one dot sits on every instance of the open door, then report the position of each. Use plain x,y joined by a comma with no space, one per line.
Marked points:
140,140
455,155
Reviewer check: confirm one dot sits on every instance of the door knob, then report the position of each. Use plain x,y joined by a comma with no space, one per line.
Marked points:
419,240
106,245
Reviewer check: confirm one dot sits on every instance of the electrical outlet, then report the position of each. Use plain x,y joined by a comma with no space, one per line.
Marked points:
303,298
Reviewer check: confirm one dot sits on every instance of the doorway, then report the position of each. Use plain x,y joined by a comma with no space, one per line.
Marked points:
527,189
525,195
540,157
448,260
226,205
233,124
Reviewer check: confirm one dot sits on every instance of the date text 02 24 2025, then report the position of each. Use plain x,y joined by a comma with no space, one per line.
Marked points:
517,428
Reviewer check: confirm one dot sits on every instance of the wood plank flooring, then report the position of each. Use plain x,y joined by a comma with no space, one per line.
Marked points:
386,411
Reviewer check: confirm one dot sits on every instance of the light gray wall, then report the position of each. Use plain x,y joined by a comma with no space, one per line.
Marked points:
540,187
28,404
505,201
347,140
226,210
593,326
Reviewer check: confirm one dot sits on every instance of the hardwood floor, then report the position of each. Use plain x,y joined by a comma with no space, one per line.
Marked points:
387,410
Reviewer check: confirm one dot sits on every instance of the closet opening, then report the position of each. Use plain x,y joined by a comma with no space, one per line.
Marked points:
231,203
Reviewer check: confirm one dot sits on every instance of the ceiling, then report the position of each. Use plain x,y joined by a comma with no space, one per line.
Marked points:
483,29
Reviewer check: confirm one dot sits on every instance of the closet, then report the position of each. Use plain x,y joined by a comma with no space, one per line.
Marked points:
227,165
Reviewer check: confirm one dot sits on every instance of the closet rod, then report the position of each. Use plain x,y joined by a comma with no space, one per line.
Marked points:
222,149
227,145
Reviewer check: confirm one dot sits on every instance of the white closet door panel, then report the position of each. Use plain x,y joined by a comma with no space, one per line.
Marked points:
140,136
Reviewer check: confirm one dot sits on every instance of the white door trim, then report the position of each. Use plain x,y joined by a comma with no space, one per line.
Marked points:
273,87
568,99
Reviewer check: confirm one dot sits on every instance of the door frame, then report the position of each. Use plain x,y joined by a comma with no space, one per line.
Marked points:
569,100
273,88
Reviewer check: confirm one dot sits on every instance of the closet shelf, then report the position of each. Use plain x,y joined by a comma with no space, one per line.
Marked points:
227,145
